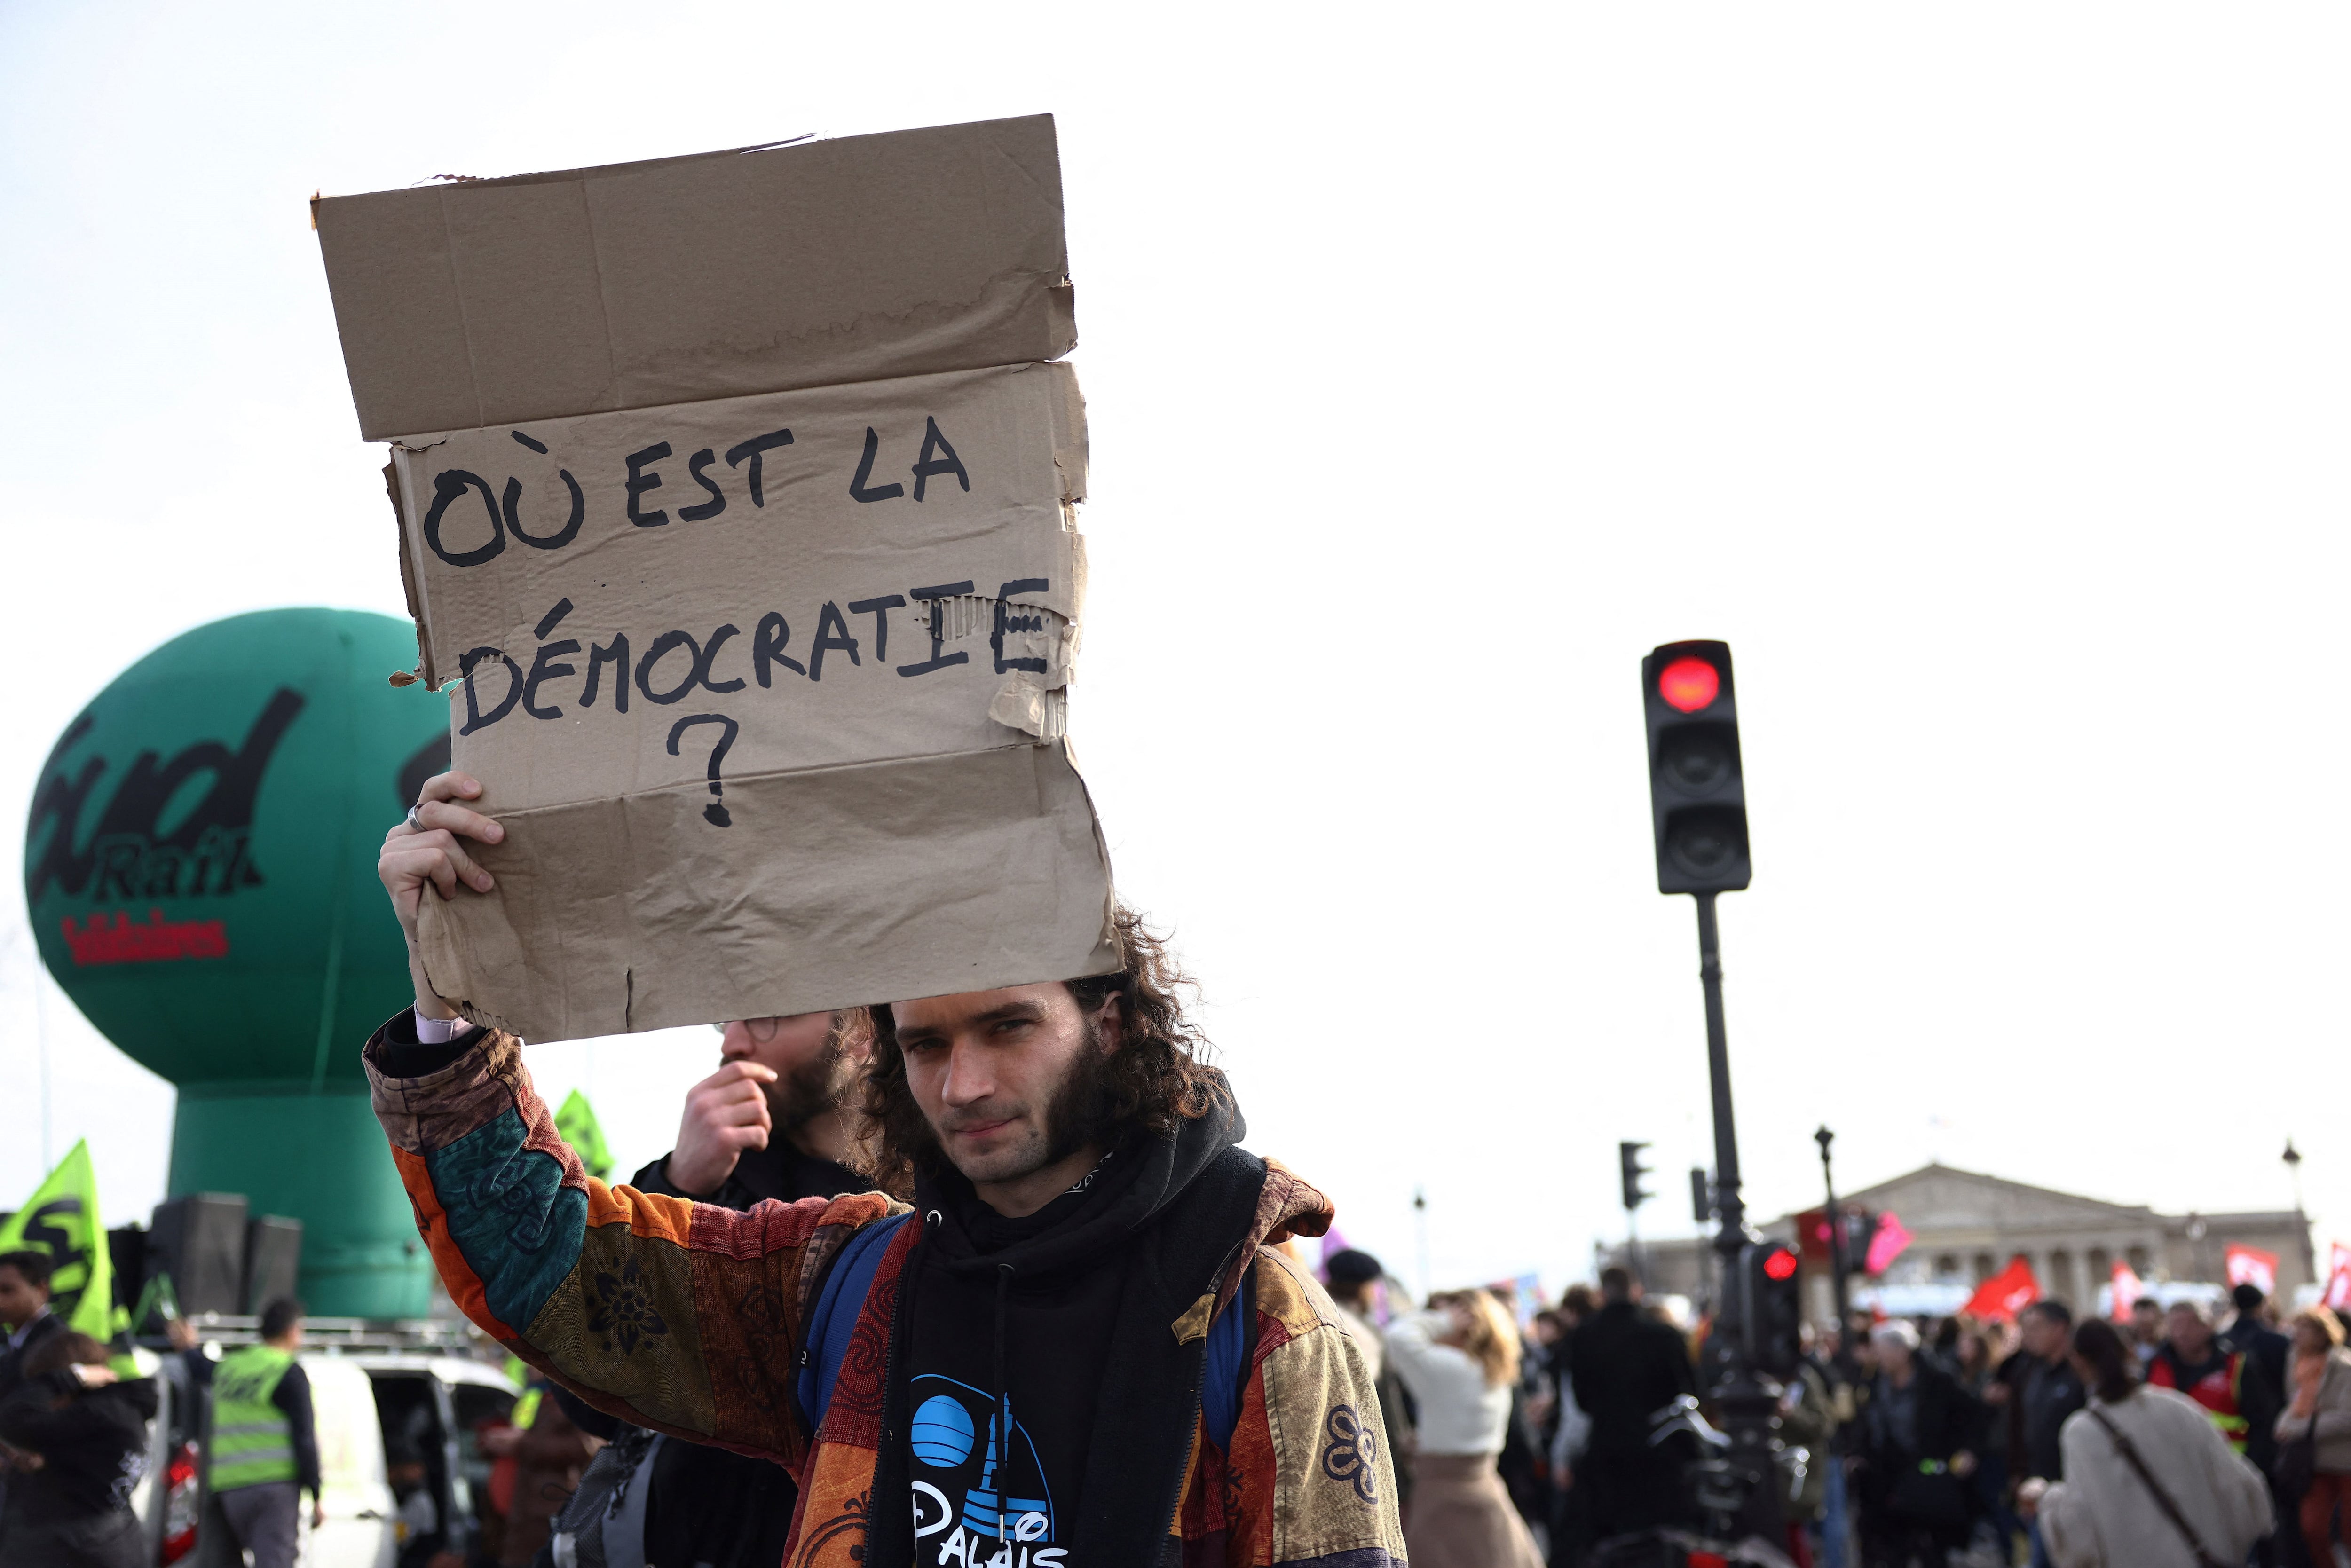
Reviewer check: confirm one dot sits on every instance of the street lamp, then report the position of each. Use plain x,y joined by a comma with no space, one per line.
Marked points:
1420,1224
2293,1158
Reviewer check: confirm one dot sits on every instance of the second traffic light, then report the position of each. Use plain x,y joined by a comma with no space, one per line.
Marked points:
1768,1273
1860,1230
1629,1156
1698,797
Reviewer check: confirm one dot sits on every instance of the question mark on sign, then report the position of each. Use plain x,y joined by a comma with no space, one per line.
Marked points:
714,813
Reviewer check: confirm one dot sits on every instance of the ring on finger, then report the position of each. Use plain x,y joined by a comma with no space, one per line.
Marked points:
413,826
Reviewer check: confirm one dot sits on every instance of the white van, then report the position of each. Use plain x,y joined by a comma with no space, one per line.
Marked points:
360,1527
429,1414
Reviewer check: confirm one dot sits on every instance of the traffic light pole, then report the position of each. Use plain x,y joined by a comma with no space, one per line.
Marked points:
1728,1207
1836,1236
1749,1404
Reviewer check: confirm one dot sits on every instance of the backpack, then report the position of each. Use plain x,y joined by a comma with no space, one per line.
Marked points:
603,1523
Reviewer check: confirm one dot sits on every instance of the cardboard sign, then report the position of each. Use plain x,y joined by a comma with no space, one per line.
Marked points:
756,595
722,275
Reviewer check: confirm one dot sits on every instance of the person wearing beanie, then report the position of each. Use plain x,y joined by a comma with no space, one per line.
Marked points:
1352,1274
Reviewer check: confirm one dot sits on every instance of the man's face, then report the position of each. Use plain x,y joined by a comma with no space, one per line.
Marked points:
1001,1075
2191,1335
2147,1320
2043,1336
19,1298
812,1067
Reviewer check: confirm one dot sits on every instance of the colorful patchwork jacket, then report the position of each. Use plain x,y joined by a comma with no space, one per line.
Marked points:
697,1320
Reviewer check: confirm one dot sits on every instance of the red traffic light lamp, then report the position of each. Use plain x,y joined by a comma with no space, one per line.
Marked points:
1771,1314
1689,684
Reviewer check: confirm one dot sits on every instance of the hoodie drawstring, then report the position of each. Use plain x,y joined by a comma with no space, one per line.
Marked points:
1003,1396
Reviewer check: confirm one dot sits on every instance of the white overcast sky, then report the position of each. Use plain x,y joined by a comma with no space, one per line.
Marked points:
1978,372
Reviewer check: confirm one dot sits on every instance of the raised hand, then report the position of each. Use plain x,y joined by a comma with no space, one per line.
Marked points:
428,849
726,1114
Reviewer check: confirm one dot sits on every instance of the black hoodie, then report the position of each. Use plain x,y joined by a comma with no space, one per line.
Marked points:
1058,1319
92,1443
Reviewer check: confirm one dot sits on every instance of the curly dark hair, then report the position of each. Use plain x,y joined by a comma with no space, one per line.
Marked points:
1157,1075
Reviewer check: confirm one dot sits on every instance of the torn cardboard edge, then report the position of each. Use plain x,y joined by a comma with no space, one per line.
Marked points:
557,177
711,274
877,883
424,670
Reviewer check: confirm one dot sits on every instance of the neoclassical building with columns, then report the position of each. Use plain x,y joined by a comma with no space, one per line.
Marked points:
1965,1227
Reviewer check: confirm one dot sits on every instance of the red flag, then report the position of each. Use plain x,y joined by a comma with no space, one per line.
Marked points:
2338,1277
1887,1244
2128,1290
2251,1265
2006,1293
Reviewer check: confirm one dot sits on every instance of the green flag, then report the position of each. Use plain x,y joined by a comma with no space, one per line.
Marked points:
577,1121
61,1220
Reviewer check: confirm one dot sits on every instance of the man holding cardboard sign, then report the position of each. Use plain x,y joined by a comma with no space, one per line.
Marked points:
1081,1346
736,501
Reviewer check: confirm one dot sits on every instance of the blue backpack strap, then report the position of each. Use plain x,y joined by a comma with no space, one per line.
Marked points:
1224,1381
837,1308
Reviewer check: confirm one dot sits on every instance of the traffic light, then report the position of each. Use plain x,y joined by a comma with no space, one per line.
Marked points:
1696,795
1629,1156
1860,1230
1701,1195
1775,1307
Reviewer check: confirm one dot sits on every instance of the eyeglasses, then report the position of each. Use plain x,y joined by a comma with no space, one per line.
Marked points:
762,1030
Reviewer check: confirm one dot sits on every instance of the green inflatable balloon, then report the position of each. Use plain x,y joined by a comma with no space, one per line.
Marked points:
200,867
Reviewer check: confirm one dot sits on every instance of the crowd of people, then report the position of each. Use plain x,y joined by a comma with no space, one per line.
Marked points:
2170,1438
